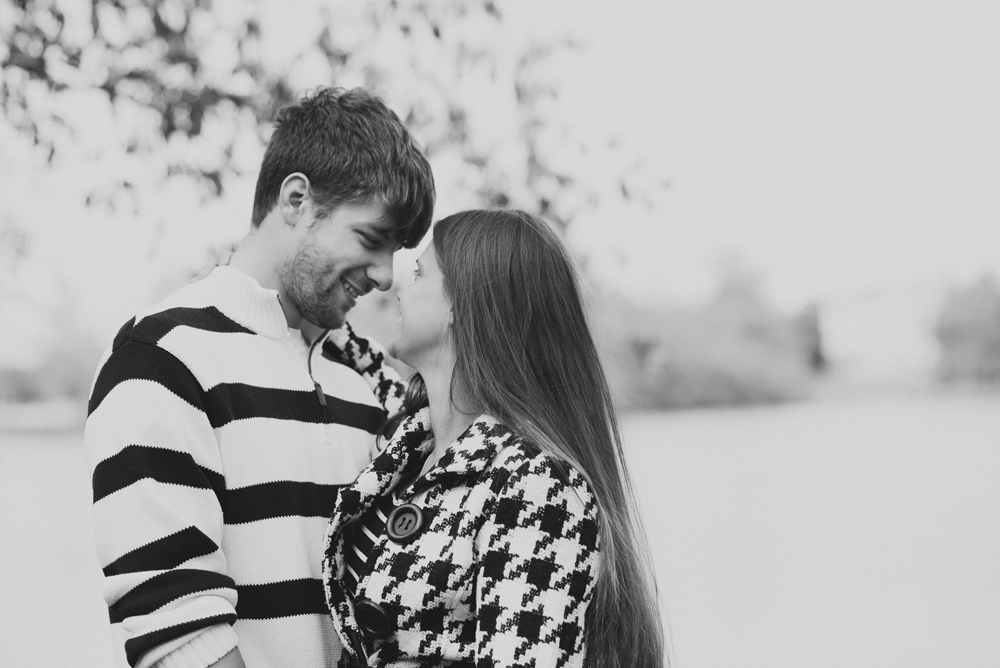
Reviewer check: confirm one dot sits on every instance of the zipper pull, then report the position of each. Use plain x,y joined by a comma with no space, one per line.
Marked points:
319,393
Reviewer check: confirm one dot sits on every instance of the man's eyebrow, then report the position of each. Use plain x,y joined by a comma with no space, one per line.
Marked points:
382,228
383,231
378,227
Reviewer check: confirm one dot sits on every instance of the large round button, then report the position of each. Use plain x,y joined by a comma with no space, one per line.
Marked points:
372,618
404,523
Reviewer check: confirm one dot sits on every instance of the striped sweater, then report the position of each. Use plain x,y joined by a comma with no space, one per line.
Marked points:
218,439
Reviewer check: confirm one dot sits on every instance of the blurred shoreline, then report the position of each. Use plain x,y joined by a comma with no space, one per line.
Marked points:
50,416
855,515
67,415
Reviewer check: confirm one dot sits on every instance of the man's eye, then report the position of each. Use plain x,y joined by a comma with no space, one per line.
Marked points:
369,242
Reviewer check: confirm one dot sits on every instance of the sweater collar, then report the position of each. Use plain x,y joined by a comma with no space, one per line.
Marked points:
470,454
241,298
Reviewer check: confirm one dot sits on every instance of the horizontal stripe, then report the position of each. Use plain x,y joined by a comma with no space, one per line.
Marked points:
261,450
144,412
228,401
358,557
344,382
274,550
376,520
161,589
269,643
362,538
281,599
351,579
279,499
154,327
136,462
136,647
163,554
149,512
225,358
236,401
384,382
140,361
280,364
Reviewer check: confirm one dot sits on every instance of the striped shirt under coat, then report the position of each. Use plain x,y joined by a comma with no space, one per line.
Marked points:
504,569
216,460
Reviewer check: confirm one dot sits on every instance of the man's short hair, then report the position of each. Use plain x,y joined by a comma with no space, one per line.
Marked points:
354,150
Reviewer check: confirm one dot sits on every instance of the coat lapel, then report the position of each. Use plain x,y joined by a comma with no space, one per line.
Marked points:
375,480
470,454
385,471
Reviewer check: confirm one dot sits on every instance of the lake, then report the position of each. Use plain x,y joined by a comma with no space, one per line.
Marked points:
853,532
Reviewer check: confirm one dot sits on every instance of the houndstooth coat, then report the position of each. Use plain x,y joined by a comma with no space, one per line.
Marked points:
503,570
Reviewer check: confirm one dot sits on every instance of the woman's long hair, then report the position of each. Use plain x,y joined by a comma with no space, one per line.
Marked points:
525,355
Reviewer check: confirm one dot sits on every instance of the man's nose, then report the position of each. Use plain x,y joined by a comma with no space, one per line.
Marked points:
380,272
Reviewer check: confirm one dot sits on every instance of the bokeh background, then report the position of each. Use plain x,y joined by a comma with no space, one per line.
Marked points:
787,216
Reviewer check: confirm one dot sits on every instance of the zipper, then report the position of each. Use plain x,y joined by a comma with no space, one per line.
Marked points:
319,388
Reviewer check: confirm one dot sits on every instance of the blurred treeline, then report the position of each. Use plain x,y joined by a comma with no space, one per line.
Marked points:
735,349
968,331
148,110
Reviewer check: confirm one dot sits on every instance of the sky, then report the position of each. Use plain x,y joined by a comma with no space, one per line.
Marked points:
847,153
838,148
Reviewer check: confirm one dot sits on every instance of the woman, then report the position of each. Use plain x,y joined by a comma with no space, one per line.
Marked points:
498,526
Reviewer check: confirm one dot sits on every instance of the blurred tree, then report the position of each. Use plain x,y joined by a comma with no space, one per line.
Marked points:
132,132
968,330
188,87
734,350
811,336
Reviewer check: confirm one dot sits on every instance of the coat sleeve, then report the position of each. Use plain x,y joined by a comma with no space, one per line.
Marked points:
158,520
539,553
368,358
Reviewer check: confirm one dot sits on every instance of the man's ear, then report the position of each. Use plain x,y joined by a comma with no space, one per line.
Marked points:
295,198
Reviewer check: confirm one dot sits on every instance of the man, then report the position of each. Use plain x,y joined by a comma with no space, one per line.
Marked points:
218,436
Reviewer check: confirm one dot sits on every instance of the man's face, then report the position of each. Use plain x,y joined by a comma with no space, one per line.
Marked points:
340,257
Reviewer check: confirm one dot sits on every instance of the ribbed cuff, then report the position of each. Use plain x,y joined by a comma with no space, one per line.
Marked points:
204,649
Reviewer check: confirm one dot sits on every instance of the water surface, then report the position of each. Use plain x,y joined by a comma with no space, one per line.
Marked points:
861,533
855,533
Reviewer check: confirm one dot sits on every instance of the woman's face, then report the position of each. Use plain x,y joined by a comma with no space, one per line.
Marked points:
422,336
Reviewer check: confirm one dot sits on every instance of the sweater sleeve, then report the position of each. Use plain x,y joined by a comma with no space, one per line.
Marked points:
158,520
368,358
538,564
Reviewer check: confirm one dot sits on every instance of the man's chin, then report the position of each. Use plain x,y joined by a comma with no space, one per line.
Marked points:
327,319
310,330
